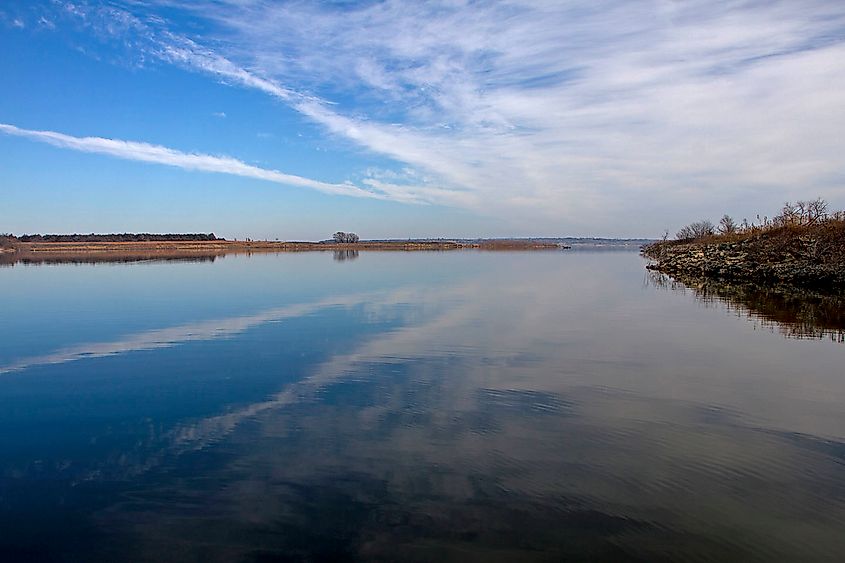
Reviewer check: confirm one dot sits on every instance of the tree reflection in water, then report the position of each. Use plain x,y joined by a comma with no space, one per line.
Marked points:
343,255
795,313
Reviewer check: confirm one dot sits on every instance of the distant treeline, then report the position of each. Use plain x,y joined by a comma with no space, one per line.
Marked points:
124,237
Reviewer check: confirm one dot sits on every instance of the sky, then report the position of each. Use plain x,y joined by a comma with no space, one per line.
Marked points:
397,119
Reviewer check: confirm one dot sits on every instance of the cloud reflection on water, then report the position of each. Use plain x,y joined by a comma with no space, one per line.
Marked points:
200,331
505,415
486,426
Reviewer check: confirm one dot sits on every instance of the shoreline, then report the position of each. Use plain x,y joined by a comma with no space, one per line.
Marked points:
797,260
58,252
272,246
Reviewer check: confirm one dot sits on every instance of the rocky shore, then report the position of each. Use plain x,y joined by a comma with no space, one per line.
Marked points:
803,258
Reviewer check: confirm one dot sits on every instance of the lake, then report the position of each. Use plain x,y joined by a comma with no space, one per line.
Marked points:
417,406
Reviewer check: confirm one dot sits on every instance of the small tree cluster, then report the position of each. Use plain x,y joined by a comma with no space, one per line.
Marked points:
699,229
340,236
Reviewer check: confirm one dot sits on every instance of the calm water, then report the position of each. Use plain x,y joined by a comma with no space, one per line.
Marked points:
464,406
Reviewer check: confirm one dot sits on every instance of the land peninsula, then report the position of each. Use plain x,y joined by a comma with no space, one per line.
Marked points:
803,247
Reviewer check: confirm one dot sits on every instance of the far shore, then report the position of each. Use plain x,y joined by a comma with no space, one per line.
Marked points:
274,246
45,252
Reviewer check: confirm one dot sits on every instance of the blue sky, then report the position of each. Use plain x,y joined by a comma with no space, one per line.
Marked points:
292,120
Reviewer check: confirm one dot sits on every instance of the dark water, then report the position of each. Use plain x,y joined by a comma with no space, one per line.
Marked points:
460,406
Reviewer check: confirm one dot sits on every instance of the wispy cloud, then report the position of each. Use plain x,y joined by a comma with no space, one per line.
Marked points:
220,114
557,113
144,152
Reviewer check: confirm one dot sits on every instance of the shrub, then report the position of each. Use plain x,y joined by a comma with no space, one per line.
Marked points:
699,229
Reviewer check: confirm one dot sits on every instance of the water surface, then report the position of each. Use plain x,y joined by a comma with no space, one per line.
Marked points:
510,406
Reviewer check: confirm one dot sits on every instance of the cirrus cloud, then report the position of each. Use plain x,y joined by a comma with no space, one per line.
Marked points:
616,114
145,152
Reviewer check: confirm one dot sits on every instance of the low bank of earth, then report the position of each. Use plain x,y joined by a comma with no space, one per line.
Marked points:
805,257
35,249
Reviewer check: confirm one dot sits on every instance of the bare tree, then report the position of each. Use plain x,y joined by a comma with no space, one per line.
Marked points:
699,229
789,215
816,210
727,225
342,237
802,213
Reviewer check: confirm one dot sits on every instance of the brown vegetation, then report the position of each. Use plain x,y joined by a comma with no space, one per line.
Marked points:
794,217
7,243
99,251
516,244
122,237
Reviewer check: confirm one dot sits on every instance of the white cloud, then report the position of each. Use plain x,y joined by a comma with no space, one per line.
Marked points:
17,22
560,114
144,152
220,114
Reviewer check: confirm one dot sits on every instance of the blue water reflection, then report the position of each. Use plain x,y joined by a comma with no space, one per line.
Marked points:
414,406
